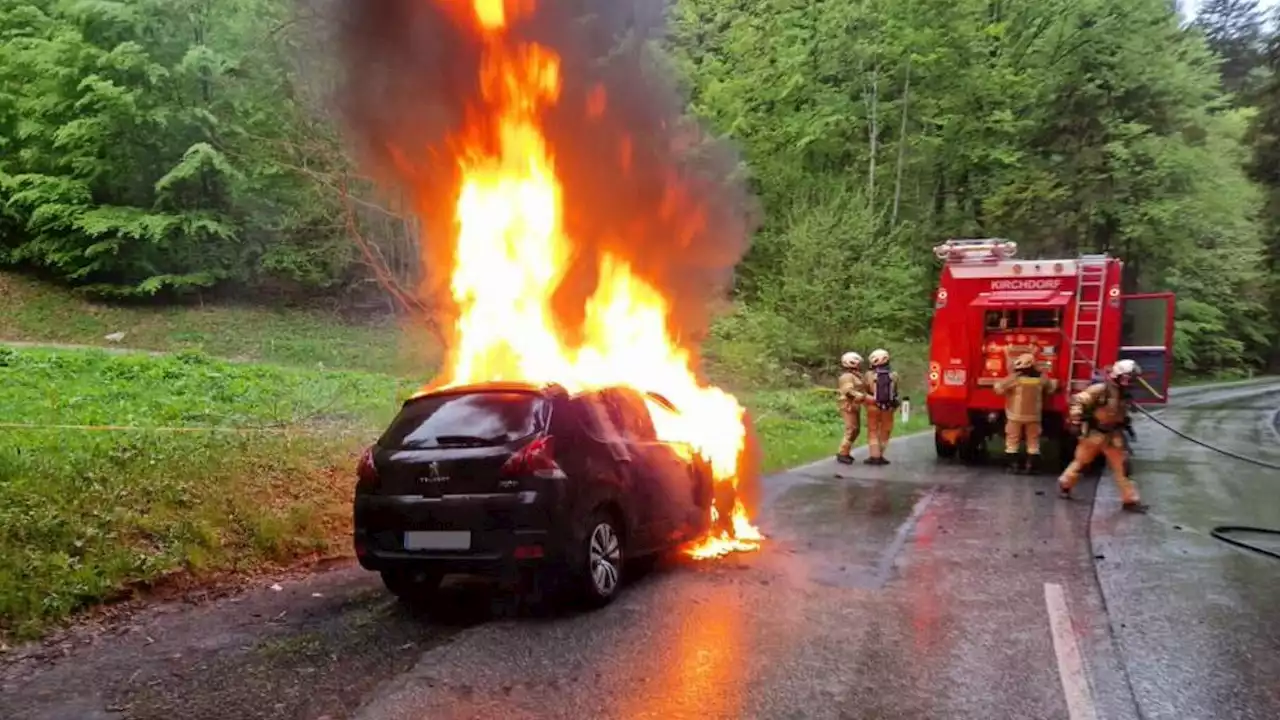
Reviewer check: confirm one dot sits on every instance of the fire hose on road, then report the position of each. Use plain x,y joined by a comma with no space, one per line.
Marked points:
1221,532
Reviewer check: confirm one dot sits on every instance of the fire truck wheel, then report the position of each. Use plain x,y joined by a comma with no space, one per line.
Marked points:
944,449
974,448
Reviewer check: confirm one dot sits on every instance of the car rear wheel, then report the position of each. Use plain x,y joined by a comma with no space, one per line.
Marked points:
602,561
413,587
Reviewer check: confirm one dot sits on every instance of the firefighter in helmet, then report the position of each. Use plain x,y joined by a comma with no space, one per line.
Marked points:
1099,414
853,395
1024,393
882,401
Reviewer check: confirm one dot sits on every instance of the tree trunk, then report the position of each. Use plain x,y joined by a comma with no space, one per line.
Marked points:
873,132
902,144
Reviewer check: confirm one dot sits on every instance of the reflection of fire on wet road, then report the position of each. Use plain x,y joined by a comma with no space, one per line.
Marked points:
580,248
700,663
922,575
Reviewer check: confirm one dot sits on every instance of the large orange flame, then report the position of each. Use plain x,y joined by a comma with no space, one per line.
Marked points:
512,252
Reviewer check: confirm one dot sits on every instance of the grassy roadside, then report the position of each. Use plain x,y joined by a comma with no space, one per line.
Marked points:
85,514
798,426
35,312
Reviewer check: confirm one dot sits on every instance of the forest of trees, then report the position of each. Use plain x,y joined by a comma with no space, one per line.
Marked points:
177,147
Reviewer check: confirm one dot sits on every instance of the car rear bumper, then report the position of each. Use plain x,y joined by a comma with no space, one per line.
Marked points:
505,532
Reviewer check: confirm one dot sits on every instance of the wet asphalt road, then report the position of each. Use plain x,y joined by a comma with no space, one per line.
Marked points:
1199,620
912,591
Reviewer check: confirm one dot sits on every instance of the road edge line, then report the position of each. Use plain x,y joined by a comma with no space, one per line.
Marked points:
1071,670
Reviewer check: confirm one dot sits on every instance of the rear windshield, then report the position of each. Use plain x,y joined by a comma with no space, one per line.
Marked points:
471,420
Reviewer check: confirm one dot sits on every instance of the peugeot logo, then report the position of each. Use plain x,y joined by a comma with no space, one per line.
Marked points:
433,474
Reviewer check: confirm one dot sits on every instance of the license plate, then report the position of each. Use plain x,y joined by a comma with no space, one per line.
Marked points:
437,540
953,377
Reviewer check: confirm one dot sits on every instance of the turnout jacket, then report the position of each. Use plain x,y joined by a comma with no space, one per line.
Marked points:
1103,405
1024,396
853,391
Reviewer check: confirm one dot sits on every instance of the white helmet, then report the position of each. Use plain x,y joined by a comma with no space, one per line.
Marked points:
851,360
879,357
1124,370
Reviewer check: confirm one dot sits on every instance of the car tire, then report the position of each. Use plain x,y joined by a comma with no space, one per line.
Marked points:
413,587
601,560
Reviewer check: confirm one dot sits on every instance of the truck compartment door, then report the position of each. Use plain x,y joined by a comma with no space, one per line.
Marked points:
1147,338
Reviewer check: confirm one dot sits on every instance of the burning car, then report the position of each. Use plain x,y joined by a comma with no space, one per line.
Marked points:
494,478
574,233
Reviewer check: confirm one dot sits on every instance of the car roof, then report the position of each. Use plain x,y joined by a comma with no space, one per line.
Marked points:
533,388
483,387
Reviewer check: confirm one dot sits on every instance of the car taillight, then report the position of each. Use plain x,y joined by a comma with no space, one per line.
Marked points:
366,471
536,459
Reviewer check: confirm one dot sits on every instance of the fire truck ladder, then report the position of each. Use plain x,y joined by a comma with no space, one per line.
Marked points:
1086,330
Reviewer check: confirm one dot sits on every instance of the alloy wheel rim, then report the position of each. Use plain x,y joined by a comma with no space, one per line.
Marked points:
605,557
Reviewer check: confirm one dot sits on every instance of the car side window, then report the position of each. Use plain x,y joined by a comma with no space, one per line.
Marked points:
592,414
595,418
631,416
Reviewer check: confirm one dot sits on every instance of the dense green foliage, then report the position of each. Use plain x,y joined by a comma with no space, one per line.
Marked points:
151,145
164,147
1265,169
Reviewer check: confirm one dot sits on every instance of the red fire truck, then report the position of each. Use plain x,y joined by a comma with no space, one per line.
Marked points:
1070,314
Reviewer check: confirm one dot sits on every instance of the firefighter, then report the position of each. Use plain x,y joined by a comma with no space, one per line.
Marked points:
853,395
1024,393
882,401
1098,415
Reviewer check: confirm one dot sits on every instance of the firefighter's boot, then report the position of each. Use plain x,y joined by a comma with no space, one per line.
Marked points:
1065,484
1031,464
1137,506
844,459
1011,462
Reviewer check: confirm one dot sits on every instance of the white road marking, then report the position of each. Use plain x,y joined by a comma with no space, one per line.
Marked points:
1075,683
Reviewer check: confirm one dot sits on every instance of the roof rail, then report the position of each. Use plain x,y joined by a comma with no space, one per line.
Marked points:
976,250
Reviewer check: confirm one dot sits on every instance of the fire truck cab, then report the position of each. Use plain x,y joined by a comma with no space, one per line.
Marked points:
1070,314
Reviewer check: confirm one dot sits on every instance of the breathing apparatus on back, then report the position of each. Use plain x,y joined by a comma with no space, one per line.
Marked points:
883,388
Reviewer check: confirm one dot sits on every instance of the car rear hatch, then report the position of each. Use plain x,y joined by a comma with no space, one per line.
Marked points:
462,444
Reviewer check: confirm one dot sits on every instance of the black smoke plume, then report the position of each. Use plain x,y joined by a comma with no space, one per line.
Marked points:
672,209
